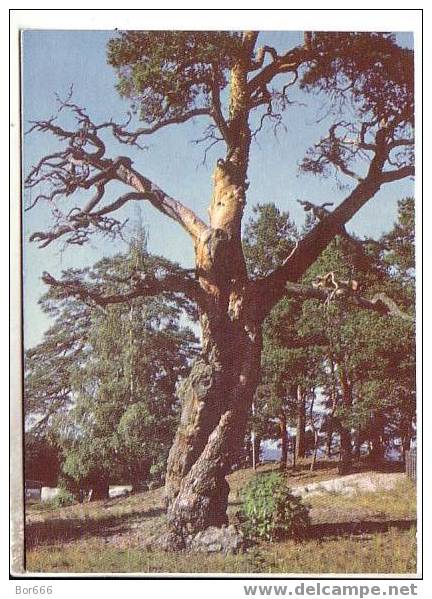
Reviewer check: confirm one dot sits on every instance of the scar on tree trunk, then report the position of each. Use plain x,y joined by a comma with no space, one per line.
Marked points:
217,395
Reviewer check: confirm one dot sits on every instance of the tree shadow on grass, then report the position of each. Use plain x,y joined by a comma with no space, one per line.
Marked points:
58,530
327,530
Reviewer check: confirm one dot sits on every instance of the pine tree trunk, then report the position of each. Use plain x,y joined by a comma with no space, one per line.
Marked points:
376,456
329,443
284,440
99,490
216,401
218,393
257,451
315,451
300,424
345,461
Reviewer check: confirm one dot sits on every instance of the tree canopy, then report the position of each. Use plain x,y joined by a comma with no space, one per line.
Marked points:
365,81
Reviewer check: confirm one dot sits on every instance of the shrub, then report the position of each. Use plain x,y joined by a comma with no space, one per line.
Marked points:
63,498
270,511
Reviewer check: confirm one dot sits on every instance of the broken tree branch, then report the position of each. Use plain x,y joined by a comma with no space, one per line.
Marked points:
82,165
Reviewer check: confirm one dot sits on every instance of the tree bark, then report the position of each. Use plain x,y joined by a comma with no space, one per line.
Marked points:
315,451
345,459
376,456
300,424
216,401
218,393
283,439
345,463
256,451
329,443
99,490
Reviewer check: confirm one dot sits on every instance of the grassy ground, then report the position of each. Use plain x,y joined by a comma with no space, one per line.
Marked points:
367,533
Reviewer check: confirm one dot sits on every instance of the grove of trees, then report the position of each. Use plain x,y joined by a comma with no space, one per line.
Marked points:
229,80
362,365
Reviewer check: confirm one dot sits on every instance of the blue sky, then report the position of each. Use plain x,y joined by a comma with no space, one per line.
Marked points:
53,60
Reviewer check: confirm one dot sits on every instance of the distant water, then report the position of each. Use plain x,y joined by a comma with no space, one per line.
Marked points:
271,452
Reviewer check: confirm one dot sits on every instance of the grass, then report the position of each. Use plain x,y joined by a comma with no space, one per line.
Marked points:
394,551
367,533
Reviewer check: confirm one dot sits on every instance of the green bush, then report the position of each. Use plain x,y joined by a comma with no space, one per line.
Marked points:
63,498
270,511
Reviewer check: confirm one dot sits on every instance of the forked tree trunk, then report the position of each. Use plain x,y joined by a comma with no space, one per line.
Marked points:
217,395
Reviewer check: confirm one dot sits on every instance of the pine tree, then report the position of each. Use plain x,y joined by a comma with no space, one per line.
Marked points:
233,82
116,416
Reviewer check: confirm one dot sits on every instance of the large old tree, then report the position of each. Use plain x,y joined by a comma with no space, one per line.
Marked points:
235,84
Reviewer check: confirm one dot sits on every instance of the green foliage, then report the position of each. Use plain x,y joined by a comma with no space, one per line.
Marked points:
269,238
168,73
48,367
370,67
362,363
399,243
270,511
112,409
288,359
63,498
124,416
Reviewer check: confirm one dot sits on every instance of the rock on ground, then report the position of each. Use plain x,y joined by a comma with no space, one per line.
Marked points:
227,539
351,484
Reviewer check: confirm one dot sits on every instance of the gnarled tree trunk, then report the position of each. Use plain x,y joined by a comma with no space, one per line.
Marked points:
216,401
218,393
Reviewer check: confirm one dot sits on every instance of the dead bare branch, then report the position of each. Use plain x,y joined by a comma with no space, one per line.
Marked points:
82,165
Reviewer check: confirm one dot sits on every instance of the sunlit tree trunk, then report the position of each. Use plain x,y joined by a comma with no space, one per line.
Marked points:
217,395
315,451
